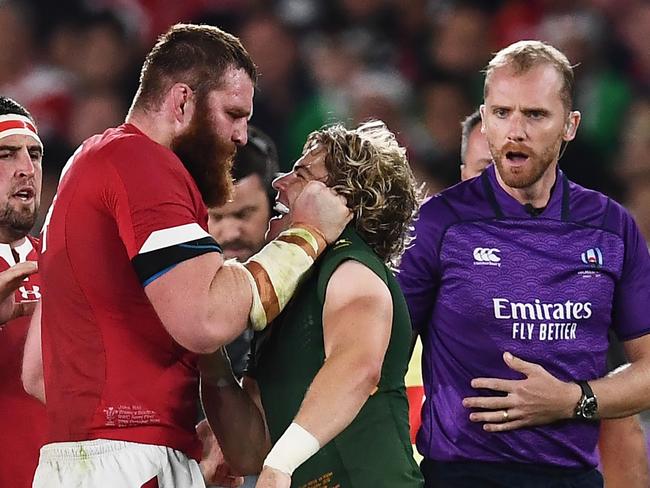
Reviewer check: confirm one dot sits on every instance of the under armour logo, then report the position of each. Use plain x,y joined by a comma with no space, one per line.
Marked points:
487,255
33,294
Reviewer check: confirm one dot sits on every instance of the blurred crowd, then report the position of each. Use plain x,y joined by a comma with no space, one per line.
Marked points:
416,64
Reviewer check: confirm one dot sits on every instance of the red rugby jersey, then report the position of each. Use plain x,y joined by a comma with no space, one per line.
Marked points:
22,417
111,369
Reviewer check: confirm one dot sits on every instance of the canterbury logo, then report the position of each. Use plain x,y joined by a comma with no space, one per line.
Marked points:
487,255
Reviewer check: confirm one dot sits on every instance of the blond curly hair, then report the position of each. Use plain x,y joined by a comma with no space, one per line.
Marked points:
370,169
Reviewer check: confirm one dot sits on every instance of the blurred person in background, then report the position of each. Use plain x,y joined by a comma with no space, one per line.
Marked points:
286,105
22,417
455,27
46,89
475,153
444,104
634,163
485,421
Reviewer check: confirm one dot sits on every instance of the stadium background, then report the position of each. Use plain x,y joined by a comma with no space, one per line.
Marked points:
413,63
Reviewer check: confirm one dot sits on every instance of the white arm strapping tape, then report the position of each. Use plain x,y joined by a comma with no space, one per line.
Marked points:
292,449
275,271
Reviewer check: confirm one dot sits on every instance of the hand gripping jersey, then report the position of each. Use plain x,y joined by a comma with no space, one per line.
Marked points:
375,449
22,417
126,211
485,277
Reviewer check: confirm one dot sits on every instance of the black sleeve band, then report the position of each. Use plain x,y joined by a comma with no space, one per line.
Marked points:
153,264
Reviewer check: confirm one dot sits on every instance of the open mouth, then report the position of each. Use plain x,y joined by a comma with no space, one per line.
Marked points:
516,157
280,209
25,194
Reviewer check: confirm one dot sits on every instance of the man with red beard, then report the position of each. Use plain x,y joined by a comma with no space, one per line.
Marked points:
138,289
22,418
515,278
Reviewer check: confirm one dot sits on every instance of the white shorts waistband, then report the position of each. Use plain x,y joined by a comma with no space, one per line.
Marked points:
86,449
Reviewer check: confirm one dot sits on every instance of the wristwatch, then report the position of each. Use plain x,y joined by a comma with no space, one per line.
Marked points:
587,406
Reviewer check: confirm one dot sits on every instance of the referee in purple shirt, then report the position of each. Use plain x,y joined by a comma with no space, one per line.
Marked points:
514,280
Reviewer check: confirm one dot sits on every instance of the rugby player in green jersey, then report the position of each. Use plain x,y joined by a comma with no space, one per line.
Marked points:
329,375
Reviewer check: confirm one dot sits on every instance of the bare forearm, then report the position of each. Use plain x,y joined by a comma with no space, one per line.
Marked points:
336,395
624,393
229,302
623,454
236,421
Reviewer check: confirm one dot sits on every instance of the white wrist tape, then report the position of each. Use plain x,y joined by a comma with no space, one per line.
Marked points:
292,449
275,271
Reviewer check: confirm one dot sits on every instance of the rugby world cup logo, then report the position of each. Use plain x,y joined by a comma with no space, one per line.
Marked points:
593,257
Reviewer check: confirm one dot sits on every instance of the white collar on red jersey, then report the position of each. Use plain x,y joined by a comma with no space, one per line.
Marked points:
23,249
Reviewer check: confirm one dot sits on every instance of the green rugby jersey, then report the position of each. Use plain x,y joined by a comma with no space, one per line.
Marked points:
374,450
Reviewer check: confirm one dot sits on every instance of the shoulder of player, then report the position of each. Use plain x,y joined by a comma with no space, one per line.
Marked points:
126,150
132,158
463,201
590,207
352,280
137,150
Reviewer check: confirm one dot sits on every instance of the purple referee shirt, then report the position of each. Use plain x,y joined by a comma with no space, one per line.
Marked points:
484,277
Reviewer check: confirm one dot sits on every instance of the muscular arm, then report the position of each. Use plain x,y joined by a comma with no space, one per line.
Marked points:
357,320
235,414
213,298
623,454
627,391
216,299
32,374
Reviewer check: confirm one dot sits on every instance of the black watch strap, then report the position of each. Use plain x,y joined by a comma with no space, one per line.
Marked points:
587,407
586,389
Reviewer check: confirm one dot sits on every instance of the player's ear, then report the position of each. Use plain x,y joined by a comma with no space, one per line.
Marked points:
182,103
571,126
481,110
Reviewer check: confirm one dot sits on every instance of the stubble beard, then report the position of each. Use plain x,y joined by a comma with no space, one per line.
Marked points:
17,223
530,172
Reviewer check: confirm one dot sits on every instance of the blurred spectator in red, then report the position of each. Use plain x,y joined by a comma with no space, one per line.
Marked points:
104,54
44,89
634,29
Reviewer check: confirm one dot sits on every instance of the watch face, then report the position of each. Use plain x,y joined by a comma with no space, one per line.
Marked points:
589,407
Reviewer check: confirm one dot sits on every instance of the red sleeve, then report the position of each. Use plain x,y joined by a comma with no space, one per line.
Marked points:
148,191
